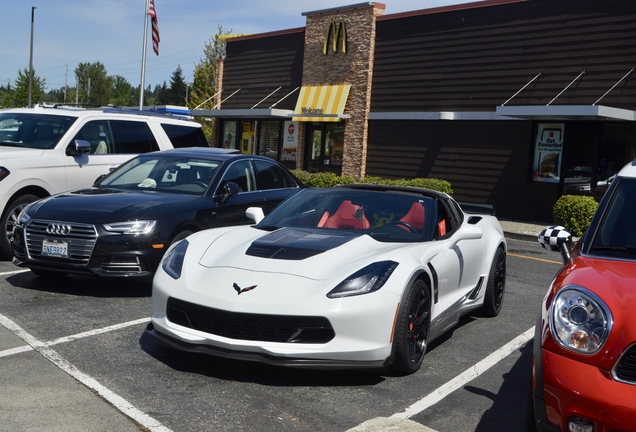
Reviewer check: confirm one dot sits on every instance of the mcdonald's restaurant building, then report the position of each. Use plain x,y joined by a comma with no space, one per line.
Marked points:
514,102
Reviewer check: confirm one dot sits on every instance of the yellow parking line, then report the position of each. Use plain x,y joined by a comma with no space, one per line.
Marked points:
536,259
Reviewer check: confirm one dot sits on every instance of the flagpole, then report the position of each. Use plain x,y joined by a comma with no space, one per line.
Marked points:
143,58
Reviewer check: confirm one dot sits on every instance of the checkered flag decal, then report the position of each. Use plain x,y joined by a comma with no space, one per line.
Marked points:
552,237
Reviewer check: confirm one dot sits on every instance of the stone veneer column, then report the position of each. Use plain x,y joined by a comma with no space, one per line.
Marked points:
354,67
218,85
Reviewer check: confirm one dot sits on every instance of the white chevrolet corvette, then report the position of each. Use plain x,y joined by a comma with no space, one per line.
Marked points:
356,276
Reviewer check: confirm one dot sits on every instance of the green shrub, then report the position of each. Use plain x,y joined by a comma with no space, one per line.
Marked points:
328,179
575,213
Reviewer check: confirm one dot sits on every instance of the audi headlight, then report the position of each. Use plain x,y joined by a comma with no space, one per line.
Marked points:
579,320
131,227
369,279
24,216
173,260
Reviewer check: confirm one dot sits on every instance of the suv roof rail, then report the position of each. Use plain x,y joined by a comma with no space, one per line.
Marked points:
83,105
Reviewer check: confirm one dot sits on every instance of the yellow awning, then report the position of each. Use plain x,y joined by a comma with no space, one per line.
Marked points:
321,103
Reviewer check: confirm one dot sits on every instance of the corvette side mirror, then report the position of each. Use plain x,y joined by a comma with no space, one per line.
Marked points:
557,238
255,213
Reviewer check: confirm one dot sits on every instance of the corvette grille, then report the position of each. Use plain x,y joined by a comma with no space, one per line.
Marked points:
81,239
625,369
247,326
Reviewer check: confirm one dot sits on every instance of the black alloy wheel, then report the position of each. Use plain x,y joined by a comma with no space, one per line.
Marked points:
411,334
496,286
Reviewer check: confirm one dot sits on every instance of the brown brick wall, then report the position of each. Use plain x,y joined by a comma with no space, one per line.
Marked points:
354,67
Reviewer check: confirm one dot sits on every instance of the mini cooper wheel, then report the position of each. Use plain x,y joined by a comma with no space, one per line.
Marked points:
496,286
411,333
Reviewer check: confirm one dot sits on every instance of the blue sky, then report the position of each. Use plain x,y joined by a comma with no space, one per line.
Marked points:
68,32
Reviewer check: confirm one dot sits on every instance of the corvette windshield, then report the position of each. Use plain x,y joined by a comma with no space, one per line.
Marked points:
386,216
38,131
615,235
172,174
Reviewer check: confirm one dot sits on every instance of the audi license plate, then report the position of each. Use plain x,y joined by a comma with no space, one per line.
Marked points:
54,248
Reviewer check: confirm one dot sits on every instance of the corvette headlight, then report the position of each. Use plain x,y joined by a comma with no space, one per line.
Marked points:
173,260
131,227
369,279
579,320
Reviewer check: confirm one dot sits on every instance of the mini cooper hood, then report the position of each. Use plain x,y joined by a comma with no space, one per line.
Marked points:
310,253
96,205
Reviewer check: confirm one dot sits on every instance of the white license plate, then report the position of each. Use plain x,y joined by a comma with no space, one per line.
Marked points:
53,248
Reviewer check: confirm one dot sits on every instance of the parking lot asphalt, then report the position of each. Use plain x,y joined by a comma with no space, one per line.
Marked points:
41,390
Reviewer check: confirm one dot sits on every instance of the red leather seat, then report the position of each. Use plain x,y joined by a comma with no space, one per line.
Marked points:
414,217
348,216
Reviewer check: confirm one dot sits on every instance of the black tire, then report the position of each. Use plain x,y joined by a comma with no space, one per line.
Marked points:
181,236
9,218
411,332
496,286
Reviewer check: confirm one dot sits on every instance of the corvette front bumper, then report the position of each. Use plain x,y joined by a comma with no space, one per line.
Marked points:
300,363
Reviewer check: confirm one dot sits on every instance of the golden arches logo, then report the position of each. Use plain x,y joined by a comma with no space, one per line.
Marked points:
333,33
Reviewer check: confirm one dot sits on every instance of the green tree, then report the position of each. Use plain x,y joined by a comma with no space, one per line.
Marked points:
123,92
20,95
95,86
203,88
178,88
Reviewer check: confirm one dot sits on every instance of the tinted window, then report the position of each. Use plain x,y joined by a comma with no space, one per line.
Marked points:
240,173
615,235
185,136
271,176
135,137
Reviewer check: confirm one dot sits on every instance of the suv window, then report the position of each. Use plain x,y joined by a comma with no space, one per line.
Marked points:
33,131
135,137
99,135
184,136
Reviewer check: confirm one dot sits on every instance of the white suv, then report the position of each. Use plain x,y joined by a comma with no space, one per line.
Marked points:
47,150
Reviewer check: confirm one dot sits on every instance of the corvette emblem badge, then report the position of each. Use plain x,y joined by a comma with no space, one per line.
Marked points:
240,290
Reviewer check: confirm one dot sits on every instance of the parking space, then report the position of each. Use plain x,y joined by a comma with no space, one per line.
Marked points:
88,347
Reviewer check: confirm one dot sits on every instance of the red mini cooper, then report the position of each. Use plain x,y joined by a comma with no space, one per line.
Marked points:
584,363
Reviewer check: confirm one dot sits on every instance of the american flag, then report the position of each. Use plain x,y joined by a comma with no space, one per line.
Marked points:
152,12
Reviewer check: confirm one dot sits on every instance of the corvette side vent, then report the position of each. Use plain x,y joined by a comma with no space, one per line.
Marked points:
277,252
625,369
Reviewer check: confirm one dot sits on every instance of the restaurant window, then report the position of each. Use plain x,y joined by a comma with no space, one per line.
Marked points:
269,139
229,135
247,137
325,146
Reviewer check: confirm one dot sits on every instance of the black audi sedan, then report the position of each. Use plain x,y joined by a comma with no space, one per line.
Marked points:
124,223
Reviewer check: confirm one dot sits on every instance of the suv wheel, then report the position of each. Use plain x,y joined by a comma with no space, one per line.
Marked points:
8,221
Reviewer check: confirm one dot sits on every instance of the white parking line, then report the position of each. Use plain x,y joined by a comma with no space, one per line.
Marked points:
466,376
74,337
14,272
117,401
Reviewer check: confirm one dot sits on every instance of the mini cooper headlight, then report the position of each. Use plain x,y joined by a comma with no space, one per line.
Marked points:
369,279
173,260
579,320
131,227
